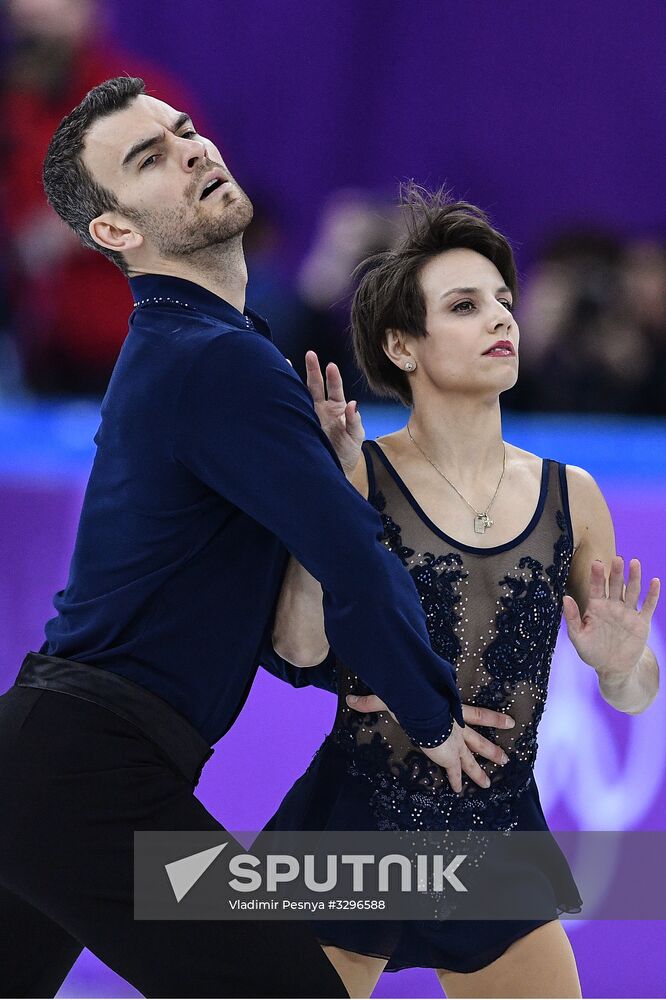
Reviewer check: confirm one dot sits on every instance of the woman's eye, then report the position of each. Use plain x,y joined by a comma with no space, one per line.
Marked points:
460,306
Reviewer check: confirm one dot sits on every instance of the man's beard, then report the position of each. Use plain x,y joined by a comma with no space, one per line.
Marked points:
197,229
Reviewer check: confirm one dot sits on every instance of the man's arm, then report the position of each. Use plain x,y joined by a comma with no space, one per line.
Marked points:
248,429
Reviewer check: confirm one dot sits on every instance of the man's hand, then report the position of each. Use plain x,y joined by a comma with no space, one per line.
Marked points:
455,754
339,419
612,634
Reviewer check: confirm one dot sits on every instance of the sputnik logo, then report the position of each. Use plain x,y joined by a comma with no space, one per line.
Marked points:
186,872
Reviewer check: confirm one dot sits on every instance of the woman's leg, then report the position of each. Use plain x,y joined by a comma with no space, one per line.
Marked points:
541,964
359,973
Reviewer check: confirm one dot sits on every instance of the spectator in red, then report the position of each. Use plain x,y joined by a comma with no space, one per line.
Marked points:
55,53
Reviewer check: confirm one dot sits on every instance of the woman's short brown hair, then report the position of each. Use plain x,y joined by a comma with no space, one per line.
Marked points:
390,297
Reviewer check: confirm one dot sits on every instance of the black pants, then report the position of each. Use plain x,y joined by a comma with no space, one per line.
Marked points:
87,758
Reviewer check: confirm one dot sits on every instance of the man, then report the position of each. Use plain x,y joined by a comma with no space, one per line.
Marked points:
211,466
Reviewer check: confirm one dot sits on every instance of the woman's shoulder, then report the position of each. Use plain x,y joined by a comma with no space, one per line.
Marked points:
368,461
586,501
584,494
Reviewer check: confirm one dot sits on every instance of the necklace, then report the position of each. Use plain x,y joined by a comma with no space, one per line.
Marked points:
481,519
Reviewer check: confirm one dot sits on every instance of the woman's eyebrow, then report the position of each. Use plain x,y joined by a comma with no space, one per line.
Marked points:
470,291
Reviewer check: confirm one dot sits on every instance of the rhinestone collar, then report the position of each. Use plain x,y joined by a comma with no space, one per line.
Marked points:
155,301
162,293
163,299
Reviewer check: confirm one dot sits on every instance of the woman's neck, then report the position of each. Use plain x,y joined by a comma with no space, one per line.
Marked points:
460,435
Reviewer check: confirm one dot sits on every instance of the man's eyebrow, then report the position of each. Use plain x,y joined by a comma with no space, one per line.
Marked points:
143,144
471,291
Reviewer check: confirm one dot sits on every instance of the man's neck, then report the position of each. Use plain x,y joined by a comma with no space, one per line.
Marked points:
221,270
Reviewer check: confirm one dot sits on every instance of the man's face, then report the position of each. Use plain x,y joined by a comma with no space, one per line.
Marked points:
157,166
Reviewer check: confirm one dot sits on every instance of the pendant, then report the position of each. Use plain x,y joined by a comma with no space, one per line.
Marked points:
481,522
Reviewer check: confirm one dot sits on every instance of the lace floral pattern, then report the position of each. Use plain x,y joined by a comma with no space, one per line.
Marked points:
435,578
505,663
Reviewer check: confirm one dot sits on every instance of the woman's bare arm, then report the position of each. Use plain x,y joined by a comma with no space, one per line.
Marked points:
298,630
605,626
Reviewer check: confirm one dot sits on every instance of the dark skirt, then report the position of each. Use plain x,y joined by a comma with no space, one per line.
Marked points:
329,797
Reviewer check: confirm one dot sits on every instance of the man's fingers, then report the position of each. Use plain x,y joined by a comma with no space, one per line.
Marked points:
633,591
454,774
616,579
597,579
478,716
473,769
478,744
366,703
651,598
315,381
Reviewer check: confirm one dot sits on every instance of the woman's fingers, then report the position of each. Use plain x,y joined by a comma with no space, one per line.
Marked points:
571,615
651,598
597,579
633,590
334,387
477,716
365,703
314,379
353,423
616,579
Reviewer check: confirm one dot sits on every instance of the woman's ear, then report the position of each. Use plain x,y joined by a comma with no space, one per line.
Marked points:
396,349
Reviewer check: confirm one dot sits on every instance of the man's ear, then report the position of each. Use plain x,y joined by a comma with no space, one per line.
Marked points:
113,232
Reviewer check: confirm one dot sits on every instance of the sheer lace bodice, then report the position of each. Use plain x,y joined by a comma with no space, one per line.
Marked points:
494,613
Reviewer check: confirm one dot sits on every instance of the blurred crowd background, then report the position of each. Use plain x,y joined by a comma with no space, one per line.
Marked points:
592,311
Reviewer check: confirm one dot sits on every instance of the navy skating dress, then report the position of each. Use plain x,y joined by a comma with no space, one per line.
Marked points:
494,613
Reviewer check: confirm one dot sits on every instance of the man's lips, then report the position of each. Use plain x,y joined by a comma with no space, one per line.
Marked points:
501,349
212,175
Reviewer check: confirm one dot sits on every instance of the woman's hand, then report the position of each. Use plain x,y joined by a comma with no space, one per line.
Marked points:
339,419
456,754
613,633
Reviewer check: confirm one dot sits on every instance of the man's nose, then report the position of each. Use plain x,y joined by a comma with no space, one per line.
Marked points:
192,150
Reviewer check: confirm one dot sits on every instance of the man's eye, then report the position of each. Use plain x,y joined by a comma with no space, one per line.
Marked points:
190,132
148,162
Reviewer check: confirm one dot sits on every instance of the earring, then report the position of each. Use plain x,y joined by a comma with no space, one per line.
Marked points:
410,366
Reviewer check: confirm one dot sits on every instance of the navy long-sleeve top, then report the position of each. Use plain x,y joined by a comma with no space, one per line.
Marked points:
211,466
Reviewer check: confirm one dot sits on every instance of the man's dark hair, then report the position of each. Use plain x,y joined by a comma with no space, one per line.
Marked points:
390,297
70,187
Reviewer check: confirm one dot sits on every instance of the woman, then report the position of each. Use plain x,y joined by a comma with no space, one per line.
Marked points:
492,537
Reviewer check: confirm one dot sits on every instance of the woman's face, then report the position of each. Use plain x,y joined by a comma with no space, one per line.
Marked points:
468,312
